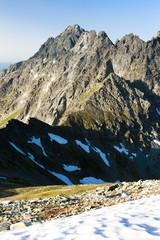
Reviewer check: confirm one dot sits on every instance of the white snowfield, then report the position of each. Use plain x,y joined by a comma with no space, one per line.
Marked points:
136,220
57,138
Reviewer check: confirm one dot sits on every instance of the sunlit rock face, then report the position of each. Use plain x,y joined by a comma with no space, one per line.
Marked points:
107,93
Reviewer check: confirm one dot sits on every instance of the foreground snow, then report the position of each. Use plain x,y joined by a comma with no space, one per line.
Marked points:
138,220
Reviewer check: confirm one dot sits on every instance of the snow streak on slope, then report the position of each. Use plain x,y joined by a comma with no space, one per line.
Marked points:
4,178
58,175
158,111
37,141
84,146
101,154
33,159
97,150
71,168
122,149
19,150
62,177
138,220
57,138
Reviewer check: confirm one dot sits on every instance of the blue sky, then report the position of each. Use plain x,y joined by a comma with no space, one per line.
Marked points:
26,24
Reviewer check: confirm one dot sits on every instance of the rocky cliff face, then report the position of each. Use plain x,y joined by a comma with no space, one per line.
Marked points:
110,92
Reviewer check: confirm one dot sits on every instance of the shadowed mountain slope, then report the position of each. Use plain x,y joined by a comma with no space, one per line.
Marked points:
81,81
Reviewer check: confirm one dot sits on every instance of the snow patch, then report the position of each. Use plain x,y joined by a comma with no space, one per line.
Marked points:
62,177
102,155
21,102
54,61
31,156
4,178
37,141
158,111
134,154
24,95
57,138
97,150
70,168
33,159
92,180
122,149
130,220
19,150
35,75
49,84
124,194
53,77
117,181
27,117
47,87
156,141
82,145
58,175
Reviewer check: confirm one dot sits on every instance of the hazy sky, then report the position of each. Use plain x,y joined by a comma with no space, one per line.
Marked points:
26,24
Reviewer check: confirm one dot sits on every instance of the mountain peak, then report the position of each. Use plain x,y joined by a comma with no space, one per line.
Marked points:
130,38
157,35
104,99
75,28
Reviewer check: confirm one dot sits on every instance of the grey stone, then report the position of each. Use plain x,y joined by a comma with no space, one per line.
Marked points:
4,226
19,225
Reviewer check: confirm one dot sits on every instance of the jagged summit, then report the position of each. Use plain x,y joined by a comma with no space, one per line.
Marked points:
158,34
66,69
75,28
57,47
81,80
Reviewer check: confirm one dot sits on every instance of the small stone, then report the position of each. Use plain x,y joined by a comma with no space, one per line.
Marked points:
19,225
87,208
4,226
113,187
124,194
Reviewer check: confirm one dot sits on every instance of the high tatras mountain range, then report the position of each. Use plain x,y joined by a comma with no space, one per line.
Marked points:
87,110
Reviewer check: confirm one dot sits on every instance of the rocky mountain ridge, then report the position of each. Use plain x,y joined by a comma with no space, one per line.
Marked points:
23,213
109,93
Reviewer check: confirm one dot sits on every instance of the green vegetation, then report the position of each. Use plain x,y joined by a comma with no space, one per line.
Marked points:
44,191
88,117
4,122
